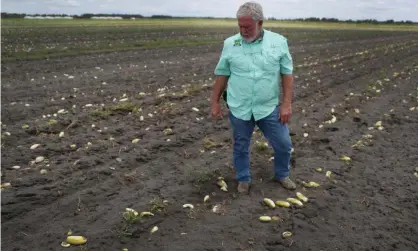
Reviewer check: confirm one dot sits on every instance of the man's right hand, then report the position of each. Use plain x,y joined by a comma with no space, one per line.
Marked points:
216,112
218,89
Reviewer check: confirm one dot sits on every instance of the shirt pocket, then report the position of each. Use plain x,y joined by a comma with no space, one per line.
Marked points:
239,63
271,59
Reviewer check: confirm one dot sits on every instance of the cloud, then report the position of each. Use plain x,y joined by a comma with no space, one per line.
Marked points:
342,9
62,3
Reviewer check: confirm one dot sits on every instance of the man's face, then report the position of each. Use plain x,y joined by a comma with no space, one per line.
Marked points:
248,28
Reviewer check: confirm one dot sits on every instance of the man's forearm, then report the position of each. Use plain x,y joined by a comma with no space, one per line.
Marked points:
219,88
287,86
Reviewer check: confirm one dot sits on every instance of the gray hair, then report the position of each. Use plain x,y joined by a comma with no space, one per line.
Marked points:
251,9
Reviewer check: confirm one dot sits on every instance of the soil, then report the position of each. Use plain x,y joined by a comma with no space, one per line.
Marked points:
368,203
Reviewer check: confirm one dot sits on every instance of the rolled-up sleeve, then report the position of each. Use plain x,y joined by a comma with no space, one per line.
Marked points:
286,61
222,68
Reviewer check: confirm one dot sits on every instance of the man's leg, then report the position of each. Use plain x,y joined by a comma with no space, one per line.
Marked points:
278,136
242,132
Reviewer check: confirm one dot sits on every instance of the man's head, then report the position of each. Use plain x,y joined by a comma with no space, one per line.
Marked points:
250,20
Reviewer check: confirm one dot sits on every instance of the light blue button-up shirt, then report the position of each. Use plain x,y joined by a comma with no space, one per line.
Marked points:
254,73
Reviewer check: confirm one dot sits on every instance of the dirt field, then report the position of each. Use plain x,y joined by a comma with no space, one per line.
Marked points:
91,174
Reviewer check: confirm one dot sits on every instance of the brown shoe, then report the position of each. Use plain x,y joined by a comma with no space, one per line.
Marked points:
243,187
288,183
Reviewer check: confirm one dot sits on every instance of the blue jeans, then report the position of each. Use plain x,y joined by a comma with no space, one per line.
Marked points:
277,135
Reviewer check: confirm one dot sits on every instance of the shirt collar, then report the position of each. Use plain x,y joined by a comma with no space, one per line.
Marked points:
262,36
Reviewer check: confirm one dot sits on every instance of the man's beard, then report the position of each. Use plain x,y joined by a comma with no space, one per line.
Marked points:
253,38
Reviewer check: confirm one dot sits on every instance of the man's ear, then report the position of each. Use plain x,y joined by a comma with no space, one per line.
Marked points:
260,23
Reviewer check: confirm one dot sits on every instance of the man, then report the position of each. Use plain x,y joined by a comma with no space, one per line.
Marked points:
253,65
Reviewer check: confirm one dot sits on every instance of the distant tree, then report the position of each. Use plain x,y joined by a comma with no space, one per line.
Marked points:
12,15
128,16
161,16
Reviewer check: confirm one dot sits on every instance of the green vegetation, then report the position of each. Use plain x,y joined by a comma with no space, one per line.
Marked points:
47,38
125,108
192,22
210,144
157,205
261,146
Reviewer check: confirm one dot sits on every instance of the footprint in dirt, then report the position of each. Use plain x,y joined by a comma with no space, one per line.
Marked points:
356,119
329,148
320,141
332,129
323,143
359,121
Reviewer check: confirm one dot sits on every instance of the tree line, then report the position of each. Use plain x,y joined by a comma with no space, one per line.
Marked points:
335,20
85,16
128,16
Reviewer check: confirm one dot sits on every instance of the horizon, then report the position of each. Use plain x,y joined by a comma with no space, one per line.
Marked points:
380,10
203,17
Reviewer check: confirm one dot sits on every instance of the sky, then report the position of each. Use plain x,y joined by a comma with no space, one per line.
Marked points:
341,9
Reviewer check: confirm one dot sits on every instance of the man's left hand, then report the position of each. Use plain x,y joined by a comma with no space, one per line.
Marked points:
285,112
